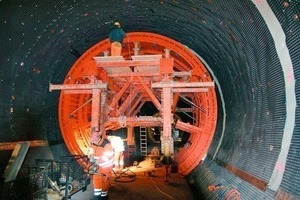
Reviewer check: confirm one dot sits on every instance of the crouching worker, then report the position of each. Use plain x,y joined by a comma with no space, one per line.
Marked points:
102,156
118,147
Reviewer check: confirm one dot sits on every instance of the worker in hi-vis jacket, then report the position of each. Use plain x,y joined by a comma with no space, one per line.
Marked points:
102,156
116,36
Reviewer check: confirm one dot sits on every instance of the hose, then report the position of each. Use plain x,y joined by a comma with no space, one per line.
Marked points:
160,190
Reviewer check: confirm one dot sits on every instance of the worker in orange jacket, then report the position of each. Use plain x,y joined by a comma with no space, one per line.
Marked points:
102,157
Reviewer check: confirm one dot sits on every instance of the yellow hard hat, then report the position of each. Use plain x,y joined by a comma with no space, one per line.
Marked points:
117,24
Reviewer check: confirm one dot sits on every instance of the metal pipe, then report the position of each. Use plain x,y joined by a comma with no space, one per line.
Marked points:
80,107
192,103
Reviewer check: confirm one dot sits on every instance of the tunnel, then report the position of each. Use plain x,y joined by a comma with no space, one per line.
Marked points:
242,132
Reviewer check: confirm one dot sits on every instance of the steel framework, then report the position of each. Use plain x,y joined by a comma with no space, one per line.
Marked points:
102,92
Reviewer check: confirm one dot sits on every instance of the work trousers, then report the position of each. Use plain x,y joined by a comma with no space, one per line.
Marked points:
119,160
101,185
116,48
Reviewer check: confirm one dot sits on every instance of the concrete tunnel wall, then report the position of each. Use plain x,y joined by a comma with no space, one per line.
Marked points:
251,47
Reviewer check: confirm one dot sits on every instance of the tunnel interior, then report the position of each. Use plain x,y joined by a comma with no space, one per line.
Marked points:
250,49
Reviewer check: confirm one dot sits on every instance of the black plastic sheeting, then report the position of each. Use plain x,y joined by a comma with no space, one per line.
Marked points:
289,16
255,119
39,38
227,179
202,178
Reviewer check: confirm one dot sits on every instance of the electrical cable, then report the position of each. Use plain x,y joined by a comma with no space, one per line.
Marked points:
160,190
124,176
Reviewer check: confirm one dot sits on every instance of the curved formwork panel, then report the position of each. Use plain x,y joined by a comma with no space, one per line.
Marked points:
75,109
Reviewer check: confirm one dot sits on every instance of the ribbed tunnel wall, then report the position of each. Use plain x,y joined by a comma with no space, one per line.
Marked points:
39,41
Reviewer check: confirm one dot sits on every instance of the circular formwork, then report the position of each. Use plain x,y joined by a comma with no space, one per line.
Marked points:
75,110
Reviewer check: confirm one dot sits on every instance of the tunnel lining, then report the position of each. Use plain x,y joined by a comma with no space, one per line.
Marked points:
41,55
285,59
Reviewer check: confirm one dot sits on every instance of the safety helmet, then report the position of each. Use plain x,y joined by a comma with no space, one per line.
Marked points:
117,24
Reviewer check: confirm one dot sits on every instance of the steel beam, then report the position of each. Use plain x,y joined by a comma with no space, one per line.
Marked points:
167,141
182,84
77,86
103,115
139,108
128,100
175,101
146,121
137,119
132,74
11,145
182,73
189,90
150,93
137,101
130,136
184,110
188,127
127,63
16,161
77,91
95,110
120,94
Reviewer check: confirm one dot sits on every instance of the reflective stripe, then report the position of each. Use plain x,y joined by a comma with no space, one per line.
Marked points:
103,194
97,192
105,158
109,153
106,164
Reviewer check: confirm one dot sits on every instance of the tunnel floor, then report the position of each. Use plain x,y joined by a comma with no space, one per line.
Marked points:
148,184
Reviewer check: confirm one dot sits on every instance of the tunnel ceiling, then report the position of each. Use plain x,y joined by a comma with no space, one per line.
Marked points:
40,40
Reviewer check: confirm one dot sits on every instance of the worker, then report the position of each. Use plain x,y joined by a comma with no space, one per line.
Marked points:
102,156
154,156
154,151
118,146
116,36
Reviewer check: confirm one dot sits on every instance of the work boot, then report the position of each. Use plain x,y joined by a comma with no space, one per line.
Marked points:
97,197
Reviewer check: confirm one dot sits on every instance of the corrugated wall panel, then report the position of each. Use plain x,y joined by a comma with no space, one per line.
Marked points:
247,190
288,14
252,117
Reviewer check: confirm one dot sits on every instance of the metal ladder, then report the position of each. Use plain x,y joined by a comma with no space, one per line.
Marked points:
143,140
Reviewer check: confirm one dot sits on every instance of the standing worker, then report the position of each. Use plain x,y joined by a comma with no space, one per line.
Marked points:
116,36
118,146
167,162
102,157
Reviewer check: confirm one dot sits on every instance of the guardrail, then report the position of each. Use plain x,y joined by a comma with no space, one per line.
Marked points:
62,178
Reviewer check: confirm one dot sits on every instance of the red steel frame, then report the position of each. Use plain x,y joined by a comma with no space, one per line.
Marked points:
76,127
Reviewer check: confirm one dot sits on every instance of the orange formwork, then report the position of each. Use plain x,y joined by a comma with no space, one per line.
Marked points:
133,84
